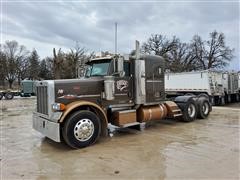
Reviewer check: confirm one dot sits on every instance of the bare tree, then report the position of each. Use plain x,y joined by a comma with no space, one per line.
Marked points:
197,55
159,45
74,59
198,51
58,59
218,54
212,54
180,58
16,56
67,64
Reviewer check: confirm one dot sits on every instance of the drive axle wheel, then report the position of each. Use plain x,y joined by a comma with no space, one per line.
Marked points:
204,108
81,129
189,110
1,96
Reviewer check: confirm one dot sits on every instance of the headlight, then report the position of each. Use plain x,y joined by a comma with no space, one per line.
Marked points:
58,107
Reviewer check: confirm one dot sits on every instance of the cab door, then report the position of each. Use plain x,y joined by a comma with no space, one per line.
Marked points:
124,86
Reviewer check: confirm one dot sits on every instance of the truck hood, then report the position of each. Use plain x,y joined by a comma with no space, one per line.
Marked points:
69,90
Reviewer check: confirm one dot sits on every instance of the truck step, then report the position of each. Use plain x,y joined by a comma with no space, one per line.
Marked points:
129,124
176,110
177,115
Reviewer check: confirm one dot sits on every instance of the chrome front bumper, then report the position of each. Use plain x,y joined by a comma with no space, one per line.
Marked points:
46,127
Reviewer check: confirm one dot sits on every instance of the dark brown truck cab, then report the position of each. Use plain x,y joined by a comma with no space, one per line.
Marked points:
123,91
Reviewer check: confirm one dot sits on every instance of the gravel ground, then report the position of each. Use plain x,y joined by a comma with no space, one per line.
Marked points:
165,150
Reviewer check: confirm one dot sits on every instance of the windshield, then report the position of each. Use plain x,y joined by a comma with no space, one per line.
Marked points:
98,69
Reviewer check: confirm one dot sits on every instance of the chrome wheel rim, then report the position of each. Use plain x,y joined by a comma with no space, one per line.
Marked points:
205,108
84,129
191,110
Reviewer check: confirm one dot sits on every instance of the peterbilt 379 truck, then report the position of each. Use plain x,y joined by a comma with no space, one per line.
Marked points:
123,91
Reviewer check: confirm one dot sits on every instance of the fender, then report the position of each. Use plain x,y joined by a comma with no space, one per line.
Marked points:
98,110
183,99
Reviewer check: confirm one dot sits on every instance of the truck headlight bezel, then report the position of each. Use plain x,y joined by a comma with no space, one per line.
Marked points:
58,107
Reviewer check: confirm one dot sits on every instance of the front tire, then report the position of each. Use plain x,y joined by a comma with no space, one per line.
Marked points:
81,129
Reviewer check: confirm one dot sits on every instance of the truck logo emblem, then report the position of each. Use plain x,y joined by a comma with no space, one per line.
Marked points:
60,91
122,84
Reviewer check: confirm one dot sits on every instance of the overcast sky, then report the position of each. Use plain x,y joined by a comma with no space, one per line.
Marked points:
44,25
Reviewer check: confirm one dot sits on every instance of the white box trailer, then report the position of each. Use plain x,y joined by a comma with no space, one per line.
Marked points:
212,83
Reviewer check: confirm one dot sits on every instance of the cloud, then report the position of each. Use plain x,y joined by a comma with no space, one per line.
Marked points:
61,24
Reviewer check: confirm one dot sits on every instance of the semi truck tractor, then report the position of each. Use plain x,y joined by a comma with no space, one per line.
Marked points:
219,87
124,91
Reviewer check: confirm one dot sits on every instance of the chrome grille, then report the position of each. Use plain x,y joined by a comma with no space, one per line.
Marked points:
42,100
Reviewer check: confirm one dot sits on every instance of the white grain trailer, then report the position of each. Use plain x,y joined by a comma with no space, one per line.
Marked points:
231,86
219,87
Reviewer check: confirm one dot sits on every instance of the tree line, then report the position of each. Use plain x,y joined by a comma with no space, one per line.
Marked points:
18,63
198,54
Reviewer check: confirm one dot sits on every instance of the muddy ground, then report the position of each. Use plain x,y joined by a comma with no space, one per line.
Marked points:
202,149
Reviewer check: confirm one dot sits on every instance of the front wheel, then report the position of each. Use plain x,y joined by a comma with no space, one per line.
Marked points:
81,129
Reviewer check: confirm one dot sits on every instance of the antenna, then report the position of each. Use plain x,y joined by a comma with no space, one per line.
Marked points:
115,38
100,43
114,65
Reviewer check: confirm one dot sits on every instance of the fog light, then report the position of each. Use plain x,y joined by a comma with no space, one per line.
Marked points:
58,107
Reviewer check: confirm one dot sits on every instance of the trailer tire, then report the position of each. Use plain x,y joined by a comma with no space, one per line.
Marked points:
229,99
204,108
237,98
9,96
1,96
81,129
189,110
222,100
